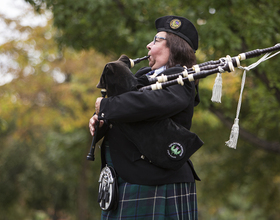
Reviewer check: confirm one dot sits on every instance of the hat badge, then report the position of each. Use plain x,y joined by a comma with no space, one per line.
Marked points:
175,23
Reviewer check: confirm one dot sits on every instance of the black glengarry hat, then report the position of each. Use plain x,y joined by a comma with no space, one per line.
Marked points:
179,26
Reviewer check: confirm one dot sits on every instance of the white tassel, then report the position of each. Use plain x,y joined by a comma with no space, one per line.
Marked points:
217,89
232,142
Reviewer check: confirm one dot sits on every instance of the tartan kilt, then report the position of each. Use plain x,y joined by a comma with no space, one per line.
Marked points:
164,202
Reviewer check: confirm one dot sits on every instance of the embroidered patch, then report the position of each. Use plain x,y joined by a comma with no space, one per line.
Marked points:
175,151
175,23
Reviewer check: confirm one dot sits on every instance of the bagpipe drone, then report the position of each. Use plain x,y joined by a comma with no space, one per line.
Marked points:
117,78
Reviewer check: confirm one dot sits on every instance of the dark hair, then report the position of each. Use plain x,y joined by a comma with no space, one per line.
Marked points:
180,51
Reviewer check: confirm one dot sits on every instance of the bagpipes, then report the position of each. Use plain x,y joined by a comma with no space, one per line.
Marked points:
117,78
168,151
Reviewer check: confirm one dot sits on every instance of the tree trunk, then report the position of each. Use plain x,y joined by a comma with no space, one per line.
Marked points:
246,135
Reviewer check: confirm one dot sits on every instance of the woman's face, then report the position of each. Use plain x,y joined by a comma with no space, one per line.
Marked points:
158,51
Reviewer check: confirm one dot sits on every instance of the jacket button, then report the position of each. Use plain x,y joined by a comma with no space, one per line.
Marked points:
142,157
110,126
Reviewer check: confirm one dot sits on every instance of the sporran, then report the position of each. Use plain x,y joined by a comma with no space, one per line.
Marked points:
108,189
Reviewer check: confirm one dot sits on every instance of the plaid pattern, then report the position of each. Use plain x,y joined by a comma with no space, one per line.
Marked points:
164,202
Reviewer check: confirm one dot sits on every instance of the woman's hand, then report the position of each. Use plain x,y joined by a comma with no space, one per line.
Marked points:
93,120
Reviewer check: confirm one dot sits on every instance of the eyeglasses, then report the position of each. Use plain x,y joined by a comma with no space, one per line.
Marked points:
156,37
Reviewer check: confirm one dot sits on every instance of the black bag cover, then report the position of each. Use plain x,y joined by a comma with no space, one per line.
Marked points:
170,150
117,78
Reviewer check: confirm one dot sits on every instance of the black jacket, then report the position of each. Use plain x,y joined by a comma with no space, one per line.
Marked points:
175,102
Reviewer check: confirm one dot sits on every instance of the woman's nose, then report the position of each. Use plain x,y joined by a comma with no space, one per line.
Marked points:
149,46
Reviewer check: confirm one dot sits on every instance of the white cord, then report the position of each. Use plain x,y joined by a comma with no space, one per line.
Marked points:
232,142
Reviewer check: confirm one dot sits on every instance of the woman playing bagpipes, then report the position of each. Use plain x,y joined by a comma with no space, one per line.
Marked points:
146,133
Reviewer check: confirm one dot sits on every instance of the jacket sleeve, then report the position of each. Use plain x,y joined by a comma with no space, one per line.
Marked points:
136,106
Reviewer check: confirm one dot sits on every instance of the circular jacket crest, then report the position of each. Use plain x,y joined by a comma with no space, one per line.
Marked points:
175,151
175,23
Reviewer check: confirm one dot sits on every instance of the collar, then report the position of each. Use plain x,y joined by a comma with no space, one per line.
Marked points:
159,70
155,73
